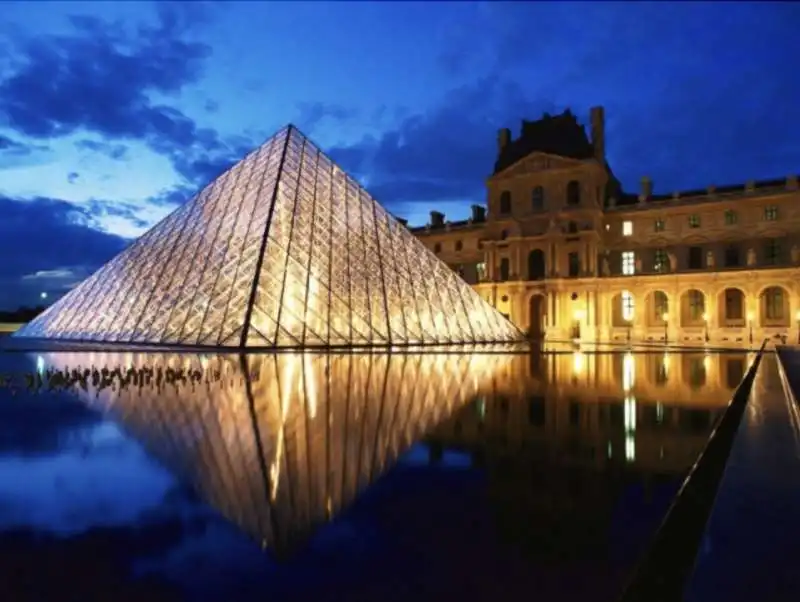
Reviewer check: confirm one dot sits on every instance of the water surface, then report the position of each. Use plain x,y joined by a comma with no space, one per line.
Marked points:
300,477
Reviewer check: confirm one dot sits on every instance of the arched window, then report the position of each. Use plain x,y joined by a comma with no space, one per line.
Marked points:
537,198
627,306
773,303
505,202
573,193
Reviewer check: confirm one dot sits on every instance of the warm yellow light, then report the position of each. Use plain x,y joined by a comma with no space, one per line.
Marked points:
749,315
665,316
797,315
705,317
579,314
578,360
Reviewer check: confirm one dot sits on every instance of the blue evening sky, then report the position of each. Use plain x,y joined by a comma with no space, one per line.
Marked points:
112,113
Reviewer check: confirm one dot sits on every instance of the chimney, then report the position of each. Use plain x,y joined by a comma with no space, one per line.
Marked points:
646,189
437,219
598,124
478,213
503,139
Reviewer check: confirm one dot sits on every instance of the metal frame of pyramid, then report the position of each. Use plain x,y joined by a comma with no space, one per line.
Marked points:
283,250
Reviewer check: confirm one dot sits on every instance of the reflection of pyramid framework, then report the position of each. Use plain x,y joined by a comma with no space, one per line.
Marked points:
282,250
283,443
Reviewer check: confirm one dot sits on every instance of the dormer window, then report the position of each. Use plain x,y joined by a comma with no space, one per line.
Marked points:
505,202
574,193
537,198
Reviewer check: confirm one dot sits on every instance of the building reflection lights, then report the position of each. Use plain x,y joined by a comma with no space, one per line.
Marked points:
280,444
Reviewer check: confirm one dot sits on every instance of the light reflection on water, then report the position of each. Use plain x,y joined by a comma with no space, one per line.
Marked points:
551,448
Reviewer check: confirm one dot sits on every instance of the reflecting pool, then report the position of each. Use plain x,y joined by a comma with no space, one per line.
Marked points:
349,476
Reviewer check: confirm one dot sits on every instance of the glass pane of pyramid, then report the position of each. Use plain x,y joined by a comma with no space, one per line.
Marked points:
282,250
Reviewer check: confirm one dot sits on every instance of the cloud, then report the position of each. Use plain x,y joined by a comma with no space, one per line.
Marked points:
102,79
99,209
111,150
73,176
443,154
311,114
41,233
50,274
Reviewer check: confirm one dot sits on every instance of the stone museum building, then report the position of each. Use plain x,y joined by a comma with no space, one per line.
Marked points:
564,252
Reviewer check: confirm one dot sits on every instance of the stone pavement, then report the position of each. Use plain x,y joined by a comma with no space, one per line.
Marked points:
751,547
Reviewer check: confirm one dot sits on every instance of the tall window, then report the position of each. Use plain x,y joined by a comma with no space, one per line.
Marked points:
627,228
659,225
730,217
459,245
437,248
731,256
574,265
573,193
628,263
772,252
660,260
771,213
627,306
537,198
505,202
697,305
773,303
695,258
734,304
694,221
480,268
505,269
660,305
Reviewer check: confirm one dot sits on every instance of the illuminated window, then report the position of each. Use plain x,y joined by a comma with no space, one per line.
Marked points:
659,225
481,269
771,213
627,228
697,305
694,221
628,263
627,306
730,217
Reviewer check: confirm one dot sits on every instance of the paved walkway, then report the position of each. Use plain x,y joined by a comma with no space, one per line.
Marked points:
751,548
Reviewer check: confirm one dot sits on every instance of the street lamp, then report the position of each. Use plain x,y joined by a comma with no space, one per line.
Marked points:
665,317
43,295
705,321
750,324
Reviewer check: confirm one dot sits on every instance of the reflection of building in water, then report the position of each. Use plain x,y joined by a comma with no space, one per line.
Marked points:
569,442
653,411
281,443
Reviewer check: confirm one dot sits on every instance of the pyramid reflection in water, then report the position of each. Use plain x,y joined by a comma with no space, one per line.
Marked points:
281,443
282,250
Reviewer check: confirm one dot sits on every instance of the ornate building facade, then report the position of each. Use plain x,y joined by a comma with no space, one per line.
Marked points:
565,253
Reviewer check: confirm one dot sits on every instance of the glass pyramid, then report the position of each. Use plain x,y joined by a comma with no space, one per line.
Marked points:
282,250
